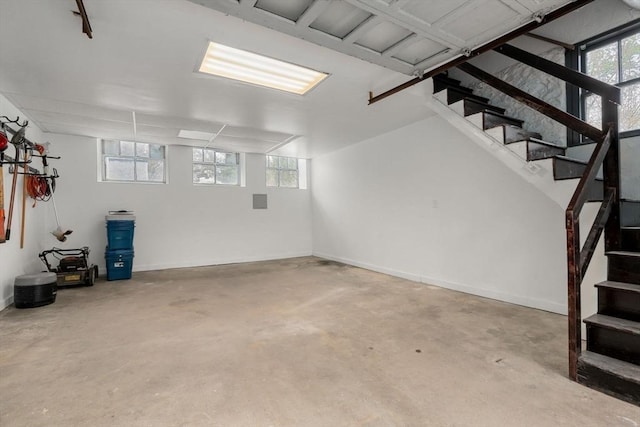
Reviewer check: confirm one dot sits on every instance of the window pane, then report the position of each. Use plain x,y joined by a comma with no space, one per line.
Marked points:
602,63
630,110
630,57
282,162
127,148
142,171
272,162
197,155
289,179
156,170
142,149
226,158
156,151
292,163
204,174
227,175
209,156
111,148
272,178
593,110
119,169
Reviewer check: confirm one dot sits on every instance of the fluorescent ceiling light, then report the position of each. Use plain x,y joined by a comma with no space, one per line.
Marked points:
236,64
195,134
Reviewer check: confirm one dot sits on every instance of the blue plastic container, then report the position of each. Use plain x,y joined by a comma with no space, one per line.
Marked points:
120,234
119,264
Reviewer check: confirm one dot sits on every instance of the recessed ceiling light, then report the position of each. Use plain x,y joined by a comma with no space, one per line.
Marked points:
195,134
236,64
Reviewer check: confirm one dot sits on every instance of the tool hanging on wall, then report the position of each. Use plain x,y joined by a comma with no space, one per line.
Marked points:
17,140
25,168
46,191
4,143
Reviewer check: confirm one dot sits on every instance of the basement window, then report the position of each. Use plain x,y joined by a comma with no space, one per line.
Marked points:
211,166
286,172
614,59
129,161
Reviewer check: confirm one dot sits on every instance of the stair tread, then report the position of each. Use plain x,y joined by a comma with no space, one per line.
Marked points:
614,323
513,119
445,78
624,253
571,159
543,142
617,367
623,286
484,104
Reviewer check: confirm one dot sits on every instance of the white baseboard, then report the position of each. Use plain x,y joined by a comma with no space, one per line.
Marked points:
217,261
6,302
551,306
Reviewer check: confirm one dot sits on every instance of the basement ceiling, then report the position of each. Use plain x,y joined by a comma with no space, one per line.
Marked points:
144,56
407,36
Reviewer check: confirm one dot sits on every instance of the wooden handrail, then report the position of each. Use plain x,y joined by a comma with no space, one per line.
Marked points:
576,78
595,162
531,101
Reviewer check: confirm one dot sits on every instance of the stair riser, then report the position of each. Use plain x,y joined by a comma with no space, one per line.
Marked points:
614,343
490,121
442,83
630,213
537,151
630,240
472,107
567,170
595,192
619,303
608,383
624,269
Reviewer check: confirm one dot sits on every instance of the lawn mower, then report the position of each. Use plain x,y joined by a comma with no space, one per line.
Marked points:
73,266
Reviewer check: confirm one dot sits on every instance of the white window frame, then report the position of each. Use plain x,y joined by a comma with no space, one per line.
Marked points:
135,158
215,165
278,169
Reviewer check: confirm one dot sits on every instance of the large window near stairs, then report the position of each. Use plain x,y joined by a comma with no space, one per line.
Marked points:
614,58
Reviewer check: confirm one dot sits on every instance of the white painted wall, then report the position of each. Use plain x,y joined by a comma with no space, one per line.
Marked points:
15,261
179,224
426,203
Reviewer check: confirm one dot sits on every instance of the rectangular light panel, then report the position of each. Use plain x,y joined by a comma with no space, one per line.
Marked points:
195,134
236,64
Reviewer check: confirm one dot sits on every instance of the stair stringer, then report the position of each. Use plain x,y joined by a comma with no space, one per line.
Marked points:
538,173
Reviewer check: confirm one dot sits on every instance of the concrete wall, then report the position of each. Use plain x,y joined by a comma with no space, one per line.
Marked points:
15,261
426,203
179,224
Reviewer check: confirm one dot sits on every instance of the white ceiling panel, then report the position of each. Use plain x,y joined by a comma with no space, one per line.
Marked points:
339,19
418,51
290,9
383,36
477,18
431,11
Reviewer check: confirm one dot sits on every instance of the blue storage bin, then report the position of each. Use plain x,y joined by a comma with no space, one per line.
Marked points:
119,264
120,234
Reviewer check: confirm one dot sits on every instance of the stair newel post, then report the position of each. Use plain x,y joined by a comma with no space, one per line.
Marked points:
611,170
574,281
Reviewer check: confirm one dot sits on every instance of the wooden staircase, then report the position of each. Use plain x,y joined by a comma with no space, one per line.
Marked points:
611,361
509,131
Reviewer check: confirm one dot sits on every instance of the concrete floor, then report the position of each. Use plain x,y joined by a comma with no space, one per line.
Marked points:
298,342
